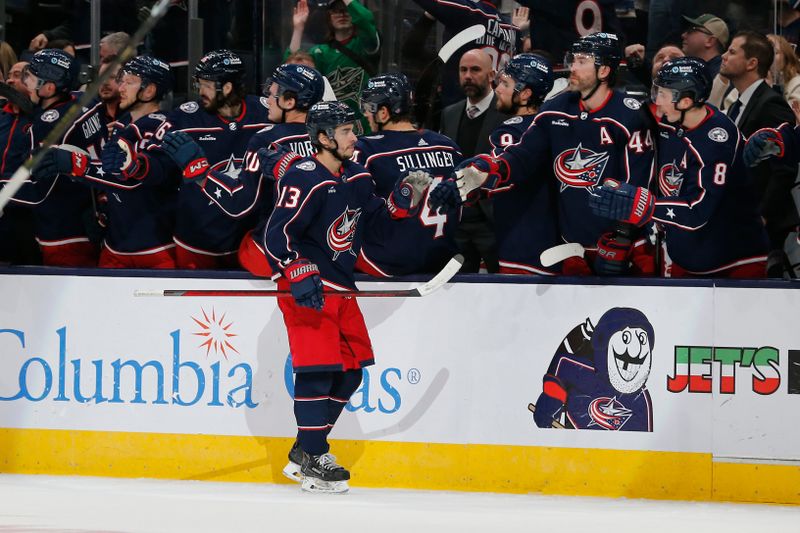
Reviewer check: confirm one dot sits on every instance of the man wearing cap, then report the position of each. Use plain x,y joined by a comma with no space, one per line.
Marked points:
706,38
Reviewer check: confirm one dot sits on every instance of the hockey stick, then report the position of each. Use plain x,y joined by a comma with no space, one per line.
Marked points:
559,253
556,423
446,274
23,172
427,78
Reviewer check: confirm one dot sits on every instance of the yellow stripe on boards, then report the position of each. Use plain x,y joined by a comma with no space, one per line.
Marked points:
485,468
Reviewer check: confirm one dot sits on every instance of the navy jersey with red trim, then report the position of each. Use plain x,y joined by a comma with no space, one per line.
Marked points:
583,148
423,243
141,212
251,192
200,225
706,199
319,216
556,24
525,213
60,205
499,42
16,140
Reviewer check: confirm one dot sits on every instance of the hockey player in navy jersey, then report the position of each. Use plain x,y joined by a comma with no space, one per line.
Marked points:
589,133
525,214
415,245
312,240
60,207
291,91
211,135
705,201
140,208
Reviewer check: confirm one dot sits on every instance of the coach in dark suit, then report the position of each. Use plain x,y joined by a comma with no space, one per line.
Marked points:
469,123
746,64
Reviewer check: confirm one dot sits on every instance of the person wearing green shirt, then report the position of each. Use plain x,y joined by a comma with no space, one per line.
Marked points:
349,53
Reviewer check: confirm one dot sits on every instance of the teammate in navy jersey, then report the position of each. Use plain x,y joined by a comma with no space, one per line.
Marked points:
312,240
211,135
706,201
141,208
587,134
499,42
291,91
525,214
415,245
60,207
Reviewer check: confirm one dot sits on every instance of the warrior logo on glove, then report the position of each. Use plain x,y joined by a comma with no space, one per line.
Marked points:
580,167
597,377
342,231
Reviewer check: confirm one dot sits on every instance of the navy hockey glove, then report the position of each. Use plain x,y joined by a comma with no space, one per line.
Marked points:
305,284
621,201
613,254
479,172
550,403
57,161
444,196
407,193
276,160
762,145
187,154
120,158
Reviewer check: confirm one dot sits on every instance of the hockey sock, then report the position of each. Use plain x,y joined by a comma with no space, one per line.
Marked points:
312,391
344,385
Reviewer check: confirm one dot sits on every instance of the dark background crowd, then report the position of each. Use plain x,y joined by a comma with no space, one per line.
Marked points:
406,38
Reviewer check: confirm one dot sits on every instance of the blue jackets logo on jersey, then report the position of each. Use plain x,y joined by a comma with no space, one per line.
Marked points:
670,179
608,413
580,167
342,231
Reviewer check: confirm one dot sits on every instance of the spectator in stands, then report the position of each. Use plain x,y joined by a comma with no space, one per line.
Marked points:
63,44
112,44
789,23
109,95
645,70
349,56
14,77
706,38
115,15
469,123
746,64
7,58
785,72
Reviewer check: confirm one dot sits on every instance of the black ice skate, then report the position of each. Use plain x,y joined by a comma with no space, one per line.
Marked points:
321,473
292,468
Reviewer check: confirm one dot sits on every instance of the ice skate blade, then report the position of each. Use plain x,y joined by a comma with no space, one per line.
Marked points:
324,487
292,471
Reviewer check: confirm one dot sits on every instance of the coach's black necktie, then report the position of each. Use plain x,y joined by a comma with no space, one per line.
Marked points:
736,108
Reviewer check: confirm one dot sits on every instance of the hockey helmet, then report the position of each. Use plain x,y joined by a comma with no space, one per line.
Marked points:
685,77
150,70
305,82
532,72
325,117
392,90
221,66
57,66
605,47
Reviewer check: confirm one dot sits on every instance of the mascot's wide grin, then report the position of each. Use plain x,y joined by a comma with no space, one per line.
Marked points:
629,359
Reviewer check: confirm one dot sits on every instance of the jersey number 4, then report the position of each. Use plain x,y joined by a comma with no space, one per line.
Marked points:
431,218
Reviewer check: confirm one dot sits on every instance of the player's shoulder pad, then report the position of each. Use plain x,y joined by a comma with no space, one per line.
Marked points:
351,168
565,102
434,137
720,129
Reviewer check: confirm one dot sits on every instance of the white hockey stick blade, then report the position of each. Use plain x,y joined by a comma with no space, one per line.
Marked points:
446,274
464,37
556,254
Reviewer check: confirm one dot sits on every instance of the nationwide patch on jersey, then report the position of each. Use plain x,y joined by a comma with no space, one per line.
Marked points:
632,103
189,107
513,120
308,166
51,115
718,134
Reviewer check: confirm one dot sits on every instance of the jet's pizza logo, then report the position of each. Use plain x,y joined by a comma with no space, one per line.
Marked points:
596,379
342,231
693,370
216,333
580,167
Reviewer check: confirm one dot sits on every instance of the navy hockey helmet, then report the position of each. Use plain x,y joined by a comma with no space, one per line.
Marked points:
392,90
530,71
57,66
605,47
221,66
685,77
150,70
325,117
305,82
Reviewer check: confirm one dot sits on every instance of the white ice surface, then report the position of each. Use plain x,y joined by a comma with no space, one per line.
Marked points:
72,504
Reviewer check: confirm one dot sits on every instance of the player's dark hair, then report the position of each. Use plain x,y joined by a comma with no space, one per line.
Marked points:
757,45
